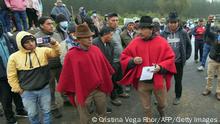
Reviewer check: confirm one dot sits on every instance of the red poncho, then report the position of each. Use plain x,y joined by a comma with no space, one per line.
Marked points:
155,51
84,72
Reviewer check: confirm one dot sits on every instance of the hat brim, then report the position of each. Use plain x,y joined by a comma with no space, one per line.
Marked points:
173,20
81,35
146,25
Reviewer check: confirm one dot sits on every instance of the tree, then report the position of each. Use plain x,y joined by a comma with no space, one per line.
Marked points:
185,8
166,6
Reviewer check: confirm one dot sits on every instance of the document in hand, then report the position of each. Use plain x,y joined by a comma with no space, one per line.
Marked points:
147,73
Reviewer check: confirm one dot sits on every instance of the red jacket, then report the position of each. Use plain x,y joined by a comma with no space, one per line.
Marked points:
83,72
155,51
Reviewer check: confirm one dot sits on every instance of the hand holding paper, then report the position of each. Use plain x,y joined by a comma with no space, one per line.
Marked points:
147,73
157,68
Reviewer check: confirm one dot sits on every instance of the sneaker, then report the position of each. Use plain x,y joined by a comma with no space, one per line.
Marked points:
218,96
116,102
56,113
176,101
22,113
108,110
200,68
12,120
124,95
10,34
206,92
128,89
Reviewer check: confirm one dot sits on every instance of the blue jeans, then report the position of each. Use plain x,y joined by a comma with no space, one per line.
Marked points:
206,50
5,19
21,16
35,100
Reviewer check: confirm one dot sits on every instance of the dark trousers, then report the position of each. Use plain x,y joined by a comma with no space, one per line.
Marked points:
5,19
32,17
20,19
54,76
118,89
178,79
198,48
6,99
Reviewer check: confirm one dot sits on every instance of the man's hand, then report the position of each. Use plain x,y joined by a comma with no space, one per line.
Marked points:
52,41
138,60
157,68
21,91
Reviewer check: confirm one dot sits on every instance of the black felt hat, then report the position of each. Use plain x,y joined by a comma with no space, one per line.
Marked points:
173,16
146,22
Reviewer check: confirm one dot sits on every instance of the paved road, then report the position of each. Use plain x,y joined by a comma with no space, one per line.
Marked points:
193,105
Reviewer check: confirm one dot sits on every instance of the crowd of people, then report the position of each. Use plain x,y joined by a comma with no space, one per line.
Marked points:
87,59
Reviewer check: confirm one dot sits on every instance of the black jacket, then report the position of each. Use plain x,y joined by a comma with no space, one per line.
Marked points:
215,49
2,5
209,38
107,50
186,48
12,47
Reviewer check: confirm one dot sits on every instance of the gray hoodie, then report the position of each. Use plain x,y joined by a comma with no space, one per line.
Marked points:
180,42
116,40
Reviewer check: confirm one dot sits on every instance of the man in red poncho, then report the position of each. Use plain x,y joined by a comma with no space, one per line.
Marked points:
149,50
86,75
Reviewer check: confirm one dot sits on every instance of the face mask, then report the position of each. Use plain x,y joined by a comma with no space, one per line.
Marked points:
212,24
64,25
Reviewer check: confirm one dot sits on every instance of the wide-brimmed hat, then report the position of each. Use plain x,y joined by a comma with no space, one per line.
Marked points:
146,22
173,16
82,30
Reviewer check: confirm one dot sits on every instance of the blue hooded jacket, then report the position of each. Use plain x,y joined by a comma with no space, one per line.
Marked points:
12,47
